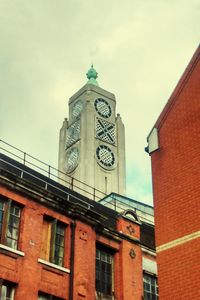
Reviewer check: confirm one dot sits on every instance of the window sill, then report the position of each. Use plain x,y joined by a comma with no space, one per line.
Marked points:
49,264
4,247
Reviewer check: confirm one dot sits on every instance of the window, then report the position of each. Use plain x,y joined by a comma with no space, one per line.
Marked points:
42,296
150,287
6,291
9,222
104,274
53,241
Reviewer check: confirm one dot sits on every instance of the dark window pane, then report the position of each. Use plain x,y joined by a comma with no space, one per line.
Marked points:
6,292
12,233
42,296
1,204
97,254
60,229
59,244
103,273
150,287
59,240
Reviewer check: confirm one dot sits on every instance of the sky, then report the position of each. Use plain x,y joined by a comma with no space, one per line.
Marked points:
139,48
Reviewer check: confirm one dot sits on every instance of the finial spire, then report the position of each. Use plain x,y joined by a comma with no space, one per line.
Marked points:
92,76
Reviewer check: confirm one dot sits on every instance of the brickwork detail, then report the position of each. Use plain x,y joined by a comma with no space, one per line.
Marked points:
83,235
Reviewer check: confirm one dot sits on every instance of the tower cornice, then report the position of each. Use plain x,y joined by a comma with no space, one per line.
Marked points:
92,88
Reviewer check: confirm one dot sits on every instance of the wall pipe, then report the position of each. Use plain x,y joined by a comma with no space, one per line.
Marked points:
72,252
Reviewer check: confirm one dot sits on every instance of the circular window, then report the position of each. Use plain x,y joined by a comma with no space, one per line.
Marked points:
105,156
72,159
103,108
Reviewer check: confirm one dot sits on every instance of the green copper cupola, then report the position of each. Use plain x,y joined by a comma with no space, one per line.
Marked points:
92,76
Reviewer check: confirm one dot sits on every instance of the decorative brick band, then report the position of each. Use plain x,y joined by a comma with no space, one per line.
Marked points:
178,242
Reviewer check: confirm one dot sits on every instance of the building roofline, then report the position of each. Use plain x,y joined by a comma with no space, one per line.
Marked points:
58,192
178,89
54,195
127,198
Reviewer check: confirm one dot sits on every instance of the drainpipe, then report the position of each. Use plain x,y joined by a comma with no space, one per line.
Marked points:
71,281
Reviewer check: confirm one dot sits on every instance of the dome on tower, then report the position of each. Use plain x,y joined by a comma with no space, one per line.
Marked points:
92,76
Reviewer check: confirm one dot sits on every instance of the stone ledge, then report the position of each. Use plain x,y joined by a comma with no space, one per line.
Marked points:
49,264
11,250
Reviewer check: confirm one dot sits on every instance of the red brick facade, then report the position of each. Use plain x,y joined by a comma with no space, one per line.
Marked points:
86,229
176,188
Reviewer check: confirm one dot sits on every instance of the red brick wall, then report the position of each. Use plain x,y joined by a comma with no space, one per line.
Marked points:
85,255
176,186
32,276
178,270
176,167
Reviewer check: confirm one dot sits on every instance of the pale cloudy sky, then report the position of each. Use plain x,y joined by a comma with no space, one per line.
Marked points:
139,48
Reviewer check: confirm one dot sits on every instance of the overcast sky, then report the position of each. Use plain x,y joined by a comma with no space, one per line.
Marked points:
139,49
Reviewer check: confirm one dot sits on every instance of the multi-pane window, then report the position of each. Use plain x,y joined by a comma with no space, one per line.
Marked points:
150,287
104,274
42,296
53,241
59,244
6,292
10,214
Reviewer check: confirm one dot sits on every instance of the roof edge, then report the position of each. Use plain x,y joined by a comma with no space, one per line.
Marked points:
178,89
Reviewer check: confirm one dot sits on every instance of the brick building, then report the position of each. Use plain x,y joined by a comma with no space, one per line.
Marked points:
174,146
57,244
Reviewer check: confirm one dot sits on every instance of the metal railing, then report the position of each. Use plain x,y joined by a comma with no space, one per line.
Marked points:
119,205
50,172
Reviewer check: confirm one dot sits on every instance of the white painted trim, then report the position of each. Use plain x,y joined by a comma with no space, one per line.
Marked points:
149,265
11,250
47,263
152,253
178,242
152,139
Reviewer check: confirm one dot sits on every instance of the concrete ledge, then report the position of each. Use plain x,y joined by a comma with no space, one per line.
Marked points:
11,250
49,264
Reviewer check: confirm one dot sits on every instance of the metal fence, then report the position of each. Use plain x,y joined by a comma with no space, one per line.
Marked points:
120,205
50,172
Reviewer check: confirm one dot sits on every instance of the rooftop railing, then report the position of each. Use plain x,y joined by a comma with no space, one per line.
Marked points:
62,178
50,172
119,205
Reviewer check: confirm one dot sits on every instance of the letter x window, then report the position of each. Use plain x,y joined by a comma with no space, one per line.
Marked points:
10,214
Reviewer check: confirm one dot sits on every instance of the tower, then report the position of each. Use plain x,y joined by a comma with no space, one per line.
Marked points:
92,141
